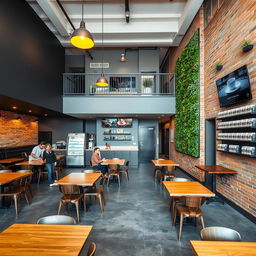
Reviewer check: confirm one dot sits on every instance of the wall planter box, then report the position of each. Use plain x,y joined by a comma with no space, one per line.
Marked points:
247,48
219,67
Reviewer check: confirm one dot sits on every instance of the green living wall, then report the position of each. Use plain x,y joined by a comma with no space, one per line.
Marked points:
187,99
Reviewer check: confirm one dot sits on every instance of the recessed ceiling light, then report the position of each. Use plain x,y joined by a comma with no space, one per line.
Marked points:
30,111
14,107
45,114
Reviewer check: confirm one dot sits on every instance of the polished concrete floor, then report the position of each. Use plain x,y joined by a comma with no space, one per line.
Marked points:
136,220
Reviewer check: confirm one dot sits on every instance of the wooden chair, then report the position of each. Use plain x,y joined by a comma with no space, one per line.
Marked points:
92,249
17,192
5,171
219,234
125,171
71,194
58,169
29,180
114,172
57,220
191,208
42,171
157,169
98,193
169,173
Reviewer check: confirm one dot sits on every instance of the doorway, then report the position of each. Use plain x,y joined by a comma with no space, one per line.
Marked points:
45,136
147,144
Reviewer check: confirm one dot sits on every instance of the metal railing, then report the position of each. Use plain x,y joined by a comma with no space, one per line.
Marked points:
119,84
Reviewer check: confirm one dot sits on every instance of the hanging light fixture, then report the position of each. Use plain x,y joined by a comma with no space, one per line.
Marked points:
122,57
81,37
102,81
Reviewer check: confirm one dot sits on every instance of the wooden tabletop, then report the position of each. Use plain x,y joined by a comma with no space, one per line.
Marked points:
41,239
164,163
114,161
11,160
31,162
187,188
223,248
215,169
81,179
12,176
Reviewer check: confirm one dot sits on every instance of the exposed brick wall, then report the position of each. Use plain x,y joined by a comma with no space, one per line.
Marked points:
188,162
221,41
14,132
224,35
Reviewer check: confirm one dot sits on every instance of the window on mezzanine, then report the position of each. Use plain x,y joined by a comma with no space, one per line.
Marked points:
210,9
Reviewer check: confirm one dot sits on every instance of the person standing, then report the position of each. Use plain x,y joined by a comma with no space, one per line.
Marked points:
96,161
50,160
37,152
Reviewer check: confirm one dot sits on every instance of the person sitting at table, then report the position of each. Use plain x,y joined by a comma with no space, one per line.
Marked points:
37,152
50,160
96,161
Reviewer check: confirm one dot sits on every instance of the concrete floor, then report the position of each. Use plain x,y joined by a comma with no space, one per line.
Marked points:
136,220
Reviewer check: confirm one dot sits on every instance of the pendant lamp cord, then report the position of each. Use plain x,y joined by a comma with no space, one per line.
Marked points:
83,11
102,36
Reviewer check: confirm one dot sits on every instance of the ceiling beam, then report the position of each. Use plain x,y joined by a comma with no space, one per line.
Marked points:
56,16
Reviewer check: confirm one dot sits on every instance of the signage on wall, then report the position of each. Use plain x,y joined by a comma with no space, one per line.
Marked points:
99,65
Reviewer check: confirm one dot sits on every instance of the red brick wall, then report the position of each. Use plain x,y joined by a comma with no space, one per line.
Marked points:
221,41
14,132
224,35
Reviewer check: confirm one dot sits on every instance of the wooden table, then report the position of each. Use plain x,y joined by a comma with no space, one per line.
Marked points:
214,170
114,161
8,177
32,162
41,239
187,188
80,179
164,163
223,248
11,160
59,156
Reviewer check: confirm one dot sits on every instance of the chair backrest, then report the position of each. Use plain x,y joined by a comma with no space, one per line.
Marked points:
113,167
4,171
219,234
180,179
88,171
170,168
57,220
193,203
90,163
24,155
69,189
26,167
92,249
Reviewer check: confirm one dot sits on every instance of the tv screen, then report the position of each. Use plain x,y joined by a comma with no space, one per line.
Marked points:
234,87
116,122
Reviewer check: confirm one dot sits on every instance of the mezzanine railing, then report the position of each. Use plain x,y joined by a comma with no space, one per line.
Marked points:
133,84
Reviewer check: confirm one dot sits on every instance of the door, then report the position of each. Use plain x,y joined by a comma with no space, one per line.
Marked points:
147,140
45,136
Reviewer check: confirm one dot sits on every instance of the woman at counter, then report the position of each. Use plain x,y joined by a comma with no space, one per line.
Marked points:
96,161
50,160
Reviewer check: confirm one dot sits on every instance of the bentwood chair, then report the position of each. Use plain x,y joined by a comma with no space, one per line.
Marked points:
59,169
92,249
190,208
57,220
169,173
157,169
96,192
17,192
29,179
219,234
71,194
114,172
125,171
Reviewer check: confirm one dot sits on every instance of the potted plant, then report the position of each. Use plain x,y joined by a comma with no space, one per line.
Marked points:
218,66
246,46
148,84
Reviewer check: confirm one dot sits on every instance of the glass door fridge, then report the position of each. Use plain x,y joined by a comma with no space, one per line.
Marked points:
75,149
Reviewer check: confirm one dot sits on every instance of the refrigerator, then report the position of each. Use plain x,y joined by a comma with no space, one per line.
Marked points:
75,149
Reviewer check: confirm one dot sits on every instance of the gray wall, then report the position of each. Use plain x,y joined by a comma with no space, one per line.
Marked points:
32,59
80,105
133,130
60,127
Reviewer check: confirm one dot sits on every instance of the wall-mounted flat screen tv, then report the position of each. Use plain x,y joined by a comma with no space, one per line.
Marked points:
234,87
116,122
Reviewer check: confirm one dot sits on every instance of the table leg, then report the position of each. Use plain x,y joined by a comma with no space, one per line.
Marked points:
216,198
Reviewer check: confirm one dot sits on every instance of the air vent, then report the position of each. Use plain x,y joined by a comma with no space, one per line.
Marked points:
99,65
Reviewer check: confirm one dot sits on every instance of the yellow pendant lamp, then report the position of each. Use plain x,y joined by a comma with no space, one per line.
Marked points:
81,37
102,81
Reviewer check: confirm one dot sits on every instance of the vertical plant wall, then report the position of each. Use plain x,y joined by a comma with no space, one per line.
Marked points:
187,99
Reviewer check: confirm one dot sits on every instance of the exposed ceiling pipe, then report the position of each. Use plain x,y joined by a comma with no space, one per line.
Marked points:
71,24
127,11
